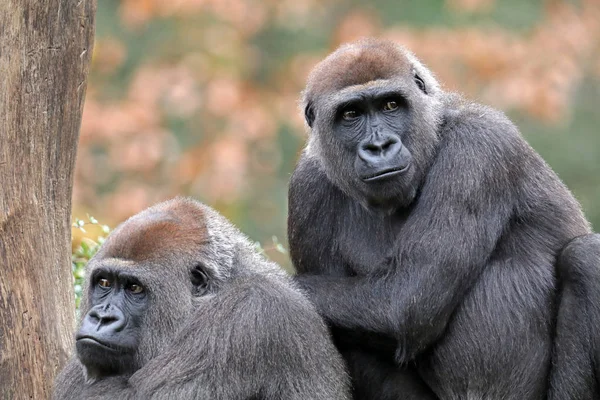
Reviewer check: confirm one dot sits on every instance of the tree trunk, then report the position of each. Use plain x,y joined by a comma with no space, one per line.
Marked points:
45,50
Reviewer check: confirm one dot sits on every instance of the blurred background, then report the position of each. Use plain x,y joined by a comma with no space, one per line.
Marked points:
200,97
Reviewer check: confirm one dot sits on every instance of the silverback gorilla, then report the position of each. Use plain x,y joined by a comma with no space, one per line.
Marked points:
178,305
426,231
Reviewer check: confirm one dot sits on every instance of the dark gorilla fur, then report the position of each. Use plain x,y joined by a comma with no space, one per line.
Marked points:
426,231
215,320
576,360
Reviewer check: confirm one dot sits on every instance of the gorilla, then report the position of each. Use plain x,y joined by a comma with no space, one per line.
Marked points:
179,305
426,232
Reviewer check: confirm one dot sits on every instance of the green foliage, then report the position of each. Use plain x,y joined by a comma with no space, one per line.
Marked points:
83,252
275,245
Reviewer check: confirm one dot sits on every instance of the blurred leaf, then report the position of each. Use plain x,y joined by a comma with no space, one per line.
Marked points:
200,98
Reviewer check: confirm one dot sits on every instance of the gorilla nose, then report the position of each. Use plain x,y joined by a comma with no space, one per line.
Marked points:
374,151
109,317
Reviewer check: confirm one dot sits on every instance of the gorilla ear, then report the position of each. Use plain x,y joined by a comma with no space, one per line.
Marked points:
309,114
201,279
420,83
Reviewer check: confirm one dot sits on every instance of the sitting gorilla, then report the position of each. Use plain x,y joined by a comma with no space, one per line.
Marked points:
179,305
426,231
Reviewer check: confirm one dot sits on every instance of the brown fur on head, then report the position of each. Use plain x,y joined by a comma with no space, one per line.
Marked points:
175,230
361,62
172,227
356,64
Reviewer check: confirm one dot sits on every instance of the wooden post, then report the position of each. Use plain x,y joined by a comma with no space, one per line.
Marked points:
45,51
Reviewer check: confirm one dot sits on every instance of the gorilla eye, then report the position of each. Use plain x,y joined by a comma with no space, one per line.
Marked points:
390,106
135,288
105,283
420,83
350,115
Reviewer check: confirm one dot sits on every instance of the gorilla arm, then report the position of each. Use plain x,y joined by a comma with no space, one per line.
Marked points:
70,384
448,238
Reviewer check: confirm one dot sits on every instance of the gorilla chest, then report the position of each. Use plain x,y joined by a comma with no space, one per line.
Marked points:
365,240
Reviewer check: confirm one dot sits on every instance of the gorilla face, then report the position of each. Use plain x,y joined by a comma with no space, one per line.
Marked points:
370,148
110,332
374,127
371,125
133,314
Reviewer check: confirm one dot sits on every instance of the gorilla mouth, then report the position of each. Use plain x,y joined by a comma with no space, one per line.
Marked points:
88,340
386,173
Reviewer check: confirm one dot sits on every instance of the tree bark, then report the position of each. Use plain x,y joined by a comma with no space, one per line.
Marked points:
45,51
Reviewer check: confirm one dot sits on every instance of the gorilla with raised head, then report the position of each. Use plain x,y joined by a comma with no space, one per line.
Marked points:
179,305
426,231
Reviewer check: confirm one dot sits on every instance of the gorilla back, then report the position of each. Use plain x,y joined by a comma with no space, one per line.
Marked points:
420,217
179,305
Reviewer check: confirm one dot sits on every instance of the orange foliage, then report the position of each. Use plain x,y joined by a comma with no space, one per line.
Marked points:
471,6
200,122
536,73
355,25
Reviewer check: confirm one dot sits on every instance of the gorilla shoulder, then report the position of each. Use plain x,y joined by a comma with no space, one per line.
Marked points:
464,117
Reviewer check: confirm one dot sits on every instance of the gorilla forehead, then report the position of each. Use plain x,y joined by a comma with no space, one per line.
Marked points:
174,227
356,64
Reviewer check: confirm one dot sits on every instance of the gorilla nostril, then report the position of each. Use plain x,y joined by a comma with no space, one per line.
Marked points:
372,148
387,145
108,319
394,147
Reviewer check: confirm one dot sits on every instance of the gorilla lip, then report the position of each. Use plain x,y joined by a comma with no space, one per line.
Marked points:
386,173
91,340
